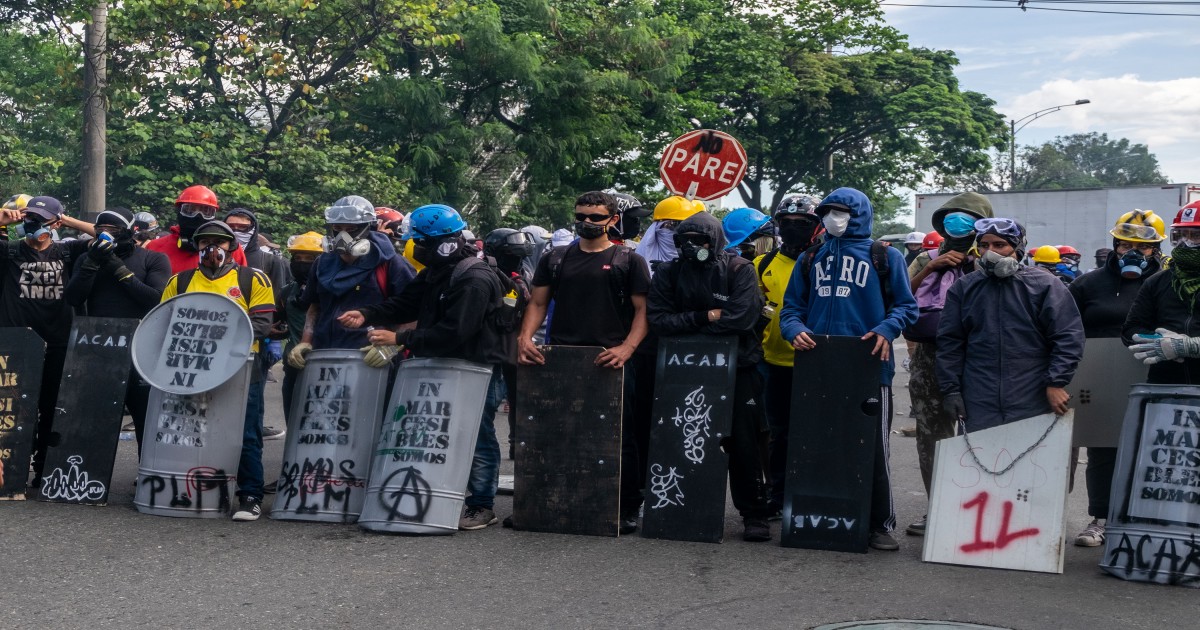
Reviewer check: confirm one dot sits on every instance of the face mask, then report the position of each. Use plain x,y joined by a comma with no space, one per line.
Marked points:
446,250
1133,264
796,233
34,229
508,263
961,244
212,257
188,226
958,224
588,231
243,238
345,243
836,222
996,265
300,270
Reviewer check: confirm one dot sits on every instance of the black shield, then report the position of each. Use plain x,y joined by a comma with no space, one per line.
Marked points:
22,353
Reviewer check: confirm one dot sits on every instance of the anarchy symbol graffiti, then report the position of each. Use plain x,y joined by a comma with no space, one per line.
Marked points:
410,500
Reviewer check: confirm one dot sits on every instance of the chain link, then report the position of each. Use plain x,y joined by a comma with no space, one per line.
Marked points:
962,425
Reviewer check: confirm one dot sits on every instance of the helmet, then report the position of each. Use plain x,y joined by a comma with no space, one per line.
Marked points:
698,206
352,209
17,201
675,208
1188,216
629,205
1065,251
741,223
435,220
307,242
214,228
932,240
507,241
144,222
538,232
797,204
1047,254
387,215
1140,226
914,238
198,194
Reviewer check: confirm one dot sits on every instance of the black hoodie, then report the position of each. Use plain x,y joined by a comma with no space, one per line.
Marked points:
260,259
1105,298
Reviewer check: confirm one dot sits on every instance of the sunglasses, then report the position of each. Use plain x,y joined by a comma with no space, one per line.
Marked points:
197,209
594,218
242,228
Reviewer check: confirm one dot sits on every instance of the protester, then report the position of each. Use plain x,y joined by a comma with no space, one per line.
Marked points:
34,272
195,206
454,302
145,228
290,314
1069,266
827,297
119,279
930,276
599,291
512,251
1009,337
931,242
1104,298
913,245
219,273
658,243
631,212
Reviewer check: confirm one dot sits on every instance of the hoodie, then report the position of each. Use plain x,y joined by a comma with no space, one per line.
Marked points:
842,294
260,259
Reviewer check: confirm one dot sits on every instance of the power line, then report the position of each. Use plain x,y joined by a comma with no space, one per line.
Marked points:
975,6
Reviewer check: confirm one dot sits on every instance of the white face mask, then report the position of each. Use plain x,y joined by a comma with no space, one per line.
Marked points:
836,222
996,265
243,238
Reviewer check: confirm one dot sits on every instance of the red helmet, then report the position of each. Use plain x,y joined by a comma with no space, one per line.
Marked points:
1067,250
1188,216
198,194
932,240
387,215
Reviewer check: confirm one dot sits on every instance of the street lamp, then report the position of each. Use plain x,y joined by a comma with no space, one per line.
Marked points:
1013,129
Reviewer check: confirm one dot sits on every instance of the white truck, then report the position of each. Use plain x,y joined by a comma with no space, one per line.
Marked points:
1080,218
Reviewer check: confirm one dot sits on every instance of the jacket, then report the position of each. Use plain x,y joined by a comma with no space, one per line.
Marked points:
1104,298
1002,341
110,292
1158,306
182,255
682,294
261,259
842,295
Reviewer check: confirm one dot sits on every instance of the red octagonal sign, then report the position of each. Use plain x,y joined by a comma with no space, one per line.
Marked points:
703,164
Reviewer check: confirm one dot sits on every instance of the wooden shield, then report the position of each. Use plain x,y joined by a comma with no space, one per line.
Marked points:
22,354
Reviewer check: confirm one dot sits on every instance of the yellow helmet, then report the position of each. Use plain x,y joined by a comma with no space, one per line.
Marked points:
409,245
17,201
1140,226
676,208
307,242
1047,254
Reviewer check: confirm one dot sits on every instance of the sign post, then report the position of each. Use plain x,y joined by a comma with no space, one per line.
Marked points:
703,164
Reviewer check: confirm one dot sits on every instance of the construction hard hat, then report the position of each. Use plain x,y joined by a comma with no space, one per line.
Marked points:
17,201
675,208
1140,226
1067,250
387,215
198,194
932,240
741,224
1047,254
307,242
435,219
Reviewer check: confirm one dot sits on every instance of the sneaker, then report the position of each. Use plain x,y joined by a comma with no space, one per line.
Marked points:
1092,536
755,530
627,525
270,488
127,427
508,524
883,541
249,509
917,528
476,518
273,433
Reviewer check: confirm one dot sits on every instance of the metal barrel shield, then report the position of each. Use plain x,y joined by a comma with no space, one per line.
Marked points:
425,448
336,410
192,343
191,450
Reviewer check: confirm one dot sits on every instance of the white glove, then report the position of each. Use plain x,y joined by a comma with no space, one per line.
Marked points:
297,356
1165,345
379,356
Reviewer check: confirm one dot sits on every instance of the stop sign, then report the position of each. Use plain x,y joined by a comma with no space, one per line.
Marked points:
703,164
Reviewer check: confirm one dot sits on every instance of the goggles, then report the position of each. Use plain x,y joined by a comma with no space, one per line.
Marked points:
345,214
518,238
1135,232
192,210
999,227
1185,237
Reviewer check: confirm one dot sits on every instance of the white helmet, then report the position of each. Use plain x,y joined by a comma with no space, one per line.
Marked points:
914,238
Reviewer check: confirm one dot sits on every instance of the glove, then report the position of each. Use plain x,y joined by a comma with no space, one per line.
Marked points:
954,406
1165,345
101,250
273,353
296,356
379,356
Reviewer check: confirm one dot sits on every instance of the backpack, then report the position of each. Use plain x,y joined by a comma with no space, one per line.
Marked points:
879,260
618,275
931,299
505,314
245,281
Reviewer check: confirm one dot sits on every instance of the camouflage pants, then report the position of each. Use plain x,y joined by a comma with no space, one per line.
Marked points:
932,423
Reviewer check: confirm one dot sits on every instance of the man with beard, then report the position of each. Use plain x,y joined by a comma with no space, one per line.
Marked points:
119,279
195,206
218,273
453,301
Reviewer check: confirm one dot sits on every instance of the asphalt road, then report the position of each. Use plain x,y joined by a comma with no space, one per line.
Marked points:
111,567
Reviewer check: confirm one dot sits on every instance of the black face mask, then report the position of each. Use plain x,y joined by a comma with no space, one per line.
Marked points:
300,270
961,244
188,226
508,263
796,233
588,231
440,251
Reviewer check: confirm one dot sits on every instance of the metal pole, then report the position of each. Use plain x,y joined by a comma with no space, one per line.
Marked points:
95,112
1012,154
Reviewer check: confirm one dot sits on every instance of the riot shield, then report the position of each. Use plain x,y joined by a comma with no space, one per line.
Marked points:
192,343
336,410
87,417
693,411
835,424
1100,391
22,354
568,464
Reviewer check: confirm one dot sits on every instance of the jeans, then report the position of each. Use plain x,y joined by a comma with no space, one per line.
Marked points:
250,468
485,467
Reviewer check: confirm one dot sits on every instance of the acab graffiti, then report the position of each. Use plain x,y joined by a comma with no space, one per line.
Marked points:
1164,559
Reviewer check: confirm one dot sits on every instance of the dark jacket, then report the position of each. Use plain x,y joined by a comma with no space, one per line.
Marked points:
1003,341
261,259
682,294
1104,297
1158,306
128,286
452,320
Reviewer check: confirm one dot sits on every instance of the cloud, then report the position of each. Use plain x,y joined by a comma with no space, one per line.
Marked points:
1086,47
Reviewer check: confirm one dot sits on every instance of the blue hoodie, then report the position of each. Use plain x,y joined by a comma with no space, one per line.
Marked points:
842,295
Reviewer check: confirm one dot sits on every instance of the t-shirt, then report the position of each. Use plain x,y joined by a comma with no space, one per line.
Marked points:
261,299
587,310
33,288
773,282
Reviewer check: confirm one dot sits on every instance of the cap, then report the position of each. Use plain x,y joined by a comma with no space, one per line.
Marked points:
116,217
48,208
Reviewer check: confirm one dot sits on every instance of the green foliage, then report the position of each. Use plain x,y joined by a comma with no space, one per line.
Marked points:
1086,161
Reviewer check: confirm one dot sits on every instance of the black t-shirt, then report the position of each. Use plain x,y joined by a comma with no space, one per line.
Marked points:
34,284
587,310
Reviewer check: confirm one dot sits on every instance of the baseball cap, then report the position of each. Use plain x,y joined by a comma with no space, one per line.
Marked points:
46,208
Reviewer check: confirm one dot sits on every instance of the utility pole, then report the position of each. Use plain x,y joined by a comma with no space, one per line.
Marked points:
95,112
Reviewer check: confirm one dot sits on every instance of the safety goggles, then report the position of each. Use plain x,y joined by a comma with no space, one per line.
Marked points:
999,227
518,238
1135,232
594,218
192,210
1185,237
345,214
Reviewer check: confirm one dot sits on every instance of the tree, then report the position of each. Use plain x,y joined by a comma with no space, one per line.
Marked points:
1086,161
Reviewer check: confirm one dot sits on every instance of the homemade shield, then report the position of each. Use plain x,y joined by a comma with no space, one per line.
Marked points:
22,355
336,410
425,448
191,449
835,424
87,418
192,343
693,411
568,464
1100,391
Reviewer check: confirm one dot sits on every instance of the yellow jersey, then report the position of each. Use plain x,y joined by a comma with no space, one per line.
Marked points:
773,281
262,297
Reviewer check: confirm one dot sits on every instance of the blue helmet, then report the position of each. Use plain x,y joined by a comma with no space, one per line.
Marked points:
741,223
435,220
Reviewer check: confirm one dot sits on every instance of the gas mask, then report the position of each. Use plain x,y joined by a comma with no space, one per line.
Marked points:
34,229
212,257
994,264
1133,264
437,251
836,222
588,231
691,249
300,270
343,242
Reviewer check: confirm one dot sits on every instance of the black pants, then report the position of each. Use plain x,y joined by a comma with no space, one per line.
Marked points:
137,398
745,465
290,374
1099,474
778,397
47,400
883,514
635,430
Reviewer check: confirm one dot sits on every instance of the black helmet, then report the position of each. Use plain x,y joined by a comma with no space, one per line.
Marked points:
798,204
508,242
